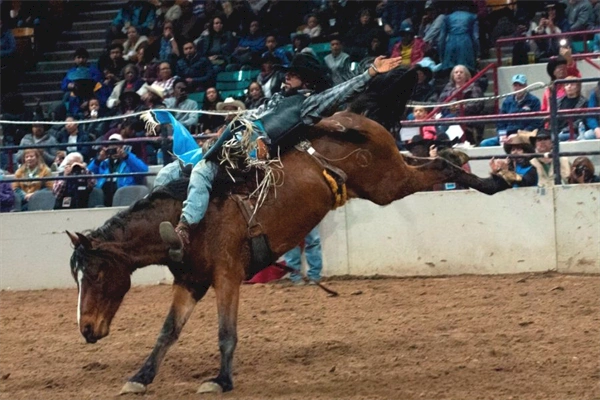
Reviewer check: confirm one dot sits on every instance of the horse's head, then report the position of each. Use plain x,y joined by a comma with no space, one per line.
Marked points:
102,281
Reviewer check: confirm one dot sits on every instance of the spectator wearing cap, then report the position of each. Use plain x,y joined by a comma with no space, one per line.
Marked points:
80,58
559,68
337,61
196,70
116,159
73,193
524,174
411,48
418,146
458,42
273,50
580,15
513,104
180,101
542,142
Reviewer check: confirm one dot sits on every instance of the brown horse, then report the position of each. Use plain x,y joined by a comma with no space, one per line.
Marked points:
220,253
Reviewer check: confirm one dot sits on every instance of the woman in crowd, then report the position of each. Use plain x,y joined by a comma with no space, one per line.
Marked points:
131,83
459,76
133,42
218,45
33,167
146,67
255,97
458,42
209,123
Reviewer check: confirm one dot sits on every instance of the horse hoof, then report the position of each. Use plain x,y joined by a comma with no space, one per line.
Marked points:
210,387
133,387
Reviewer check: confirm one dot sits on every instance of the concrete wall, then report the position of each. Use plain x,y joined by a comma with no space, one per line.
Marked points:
434,233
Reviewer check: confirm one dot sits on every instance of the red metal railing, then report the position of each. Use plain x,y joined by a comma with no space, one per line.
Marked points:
511,41
471,81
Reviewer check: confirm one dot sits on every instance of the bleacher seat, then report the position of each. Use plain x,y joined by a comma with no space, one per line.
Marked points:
321,49
234,84
96,198
198,97
41,200
128,195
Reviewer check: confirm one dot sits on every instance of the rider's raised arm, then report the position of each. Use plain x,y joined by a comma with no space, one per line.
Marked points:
325,104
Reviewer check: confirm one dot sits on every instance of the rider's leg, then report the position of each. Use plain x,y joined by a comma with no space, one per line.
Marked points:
194,208
168,173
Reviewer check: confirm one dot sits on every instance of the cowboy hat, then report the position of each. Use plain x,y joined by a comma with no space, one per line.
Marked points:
542,134
129,93
305,65
553,63
157,90
521,141
418,140
230,101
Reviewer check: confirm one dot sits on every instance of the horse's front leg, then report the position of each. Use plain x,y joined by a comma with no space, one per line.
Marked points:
181,309
227,290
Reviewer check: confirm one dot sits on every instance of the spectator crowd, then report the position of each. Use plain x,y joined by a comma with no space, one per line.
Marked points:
158,52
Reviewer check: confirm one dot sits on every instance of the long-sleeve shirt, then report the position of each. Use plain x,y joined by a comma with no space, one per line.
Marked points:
187,119
511,105
318,106
48,152
594,101
560,89
129,164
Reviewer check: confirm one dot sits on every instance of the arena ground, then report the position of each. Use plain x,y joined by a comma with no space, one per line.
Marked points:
467,337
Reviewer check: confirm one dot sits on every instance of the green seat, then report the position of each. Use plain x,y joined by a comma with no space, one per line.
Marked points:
235,80
239,94
198,97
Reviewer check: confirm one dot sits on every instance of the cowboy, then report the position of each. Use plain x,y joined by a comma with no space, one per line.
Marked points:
298,104
523,173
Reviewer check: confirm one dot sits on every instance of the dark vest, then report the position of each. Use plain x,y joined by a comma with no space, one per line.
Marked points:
283,118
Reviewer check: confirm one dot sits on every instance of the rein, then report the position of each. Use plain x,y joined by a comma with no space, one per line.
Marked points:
334,176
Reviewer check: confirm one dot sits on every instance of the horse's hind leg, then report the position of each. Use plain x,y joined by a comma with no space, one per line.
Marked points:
181,309
227,290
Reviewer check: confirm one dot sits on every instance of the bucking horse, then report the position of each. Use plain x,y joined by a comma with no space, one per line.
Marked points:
348,155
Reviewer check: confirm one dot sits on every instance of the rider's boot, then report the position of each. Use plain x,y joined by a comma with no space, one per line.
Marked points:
177,238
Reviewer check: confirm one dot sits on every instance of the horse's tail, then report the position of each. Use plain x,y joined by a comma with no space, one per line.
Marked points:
386,96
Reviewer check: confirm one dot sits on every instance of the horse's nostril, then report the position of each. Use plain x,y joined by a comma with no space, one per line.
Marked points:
88,334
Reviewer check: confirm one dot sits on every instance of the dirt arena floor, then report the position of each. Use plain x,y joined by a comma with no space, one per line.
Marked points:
468,337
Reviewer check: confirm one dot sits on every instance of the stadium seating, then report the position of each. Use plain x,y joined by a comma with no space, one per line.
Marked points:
234,84
96,198
128,195
41,200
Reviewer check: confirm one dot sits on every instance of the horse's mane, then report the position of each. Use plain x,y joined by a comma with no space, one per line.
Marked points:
176,190
386,96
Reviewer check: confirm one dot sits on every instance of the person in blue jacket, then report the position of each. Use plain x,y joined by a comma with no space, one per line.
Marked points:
116,159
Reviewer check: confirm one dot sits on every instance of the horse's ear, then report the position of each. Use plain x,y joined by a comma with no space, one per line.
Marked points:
84,241
74,238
